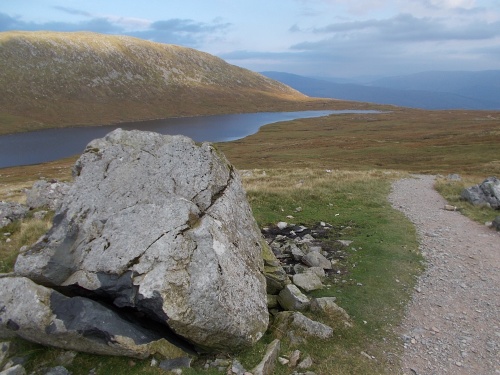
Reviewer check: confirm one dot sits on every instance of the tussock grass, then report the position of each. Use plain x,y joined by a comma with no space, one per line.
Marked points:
22,233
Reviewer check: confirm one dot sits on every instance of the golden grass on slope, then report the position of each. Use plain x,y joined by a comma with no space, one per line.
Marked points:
50,79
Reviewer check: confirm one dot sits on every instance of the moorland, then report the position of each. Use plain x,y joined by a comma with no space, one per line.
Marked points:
339,170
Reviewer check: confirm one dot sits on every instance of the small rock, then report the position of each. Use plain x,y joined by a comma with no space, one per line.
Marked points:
4,351
40,215
291,298
345,243
283,361
58,370
171,364
14,370
237,368
266,366
294,358
306,363
314,259
282,225
307,281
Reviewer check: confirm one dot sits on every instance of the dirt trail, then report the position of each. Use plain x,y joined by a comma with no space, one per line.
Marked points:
452,324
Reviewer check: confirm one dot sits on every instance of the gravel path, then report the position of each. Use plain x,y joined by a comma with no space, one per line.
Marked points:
452,325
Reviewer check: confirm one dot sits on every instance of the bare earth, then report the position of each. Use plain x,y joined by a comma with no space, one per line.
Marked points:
452,324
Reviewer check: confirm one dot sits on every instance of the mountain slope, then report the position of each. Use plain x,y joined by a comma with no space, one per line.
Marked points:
75,78
394,92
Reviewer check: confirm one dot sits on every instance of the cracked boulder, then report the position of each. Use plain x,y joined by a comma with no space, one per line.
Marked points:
159,225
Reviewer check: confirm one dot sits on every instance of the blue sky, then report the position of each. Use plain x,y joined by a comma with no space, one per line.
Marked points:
338,38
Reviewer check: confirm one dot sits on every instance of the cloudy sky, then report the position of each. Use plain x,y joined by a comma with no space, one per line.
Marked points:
338,38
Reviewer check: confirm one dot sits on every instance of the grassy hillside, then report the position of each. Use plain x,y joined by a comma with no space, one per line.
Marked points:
50,79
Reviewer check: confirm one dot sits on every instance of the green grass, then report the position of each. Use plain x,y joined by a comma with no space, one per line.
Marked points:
385,261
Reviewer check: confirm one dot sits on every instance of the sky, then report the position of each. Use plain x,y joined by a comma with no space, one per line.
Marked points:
328,38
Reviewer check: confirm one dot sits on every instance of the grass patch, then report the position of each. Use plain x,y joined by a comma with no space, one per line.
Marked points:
382,264
19,234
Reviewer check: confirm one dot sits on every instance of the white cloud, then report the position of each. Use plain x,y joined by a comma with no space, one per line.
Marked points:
451,4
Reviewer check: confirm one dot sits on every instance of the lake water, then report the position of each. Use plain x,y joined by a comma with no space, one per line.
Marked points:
53,144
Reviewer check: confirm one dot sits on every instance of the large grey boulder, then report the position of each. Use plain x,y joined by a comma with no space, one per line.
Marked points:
47,317
486,193
161,225
10,212
47,194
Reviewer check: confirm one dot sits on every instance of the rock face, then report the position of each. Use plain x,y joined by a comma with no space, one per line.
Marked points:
160,225
487,193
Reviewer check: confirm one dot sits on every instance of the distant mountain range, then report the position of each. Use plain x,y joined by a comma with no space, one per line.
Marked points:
427,90
50,79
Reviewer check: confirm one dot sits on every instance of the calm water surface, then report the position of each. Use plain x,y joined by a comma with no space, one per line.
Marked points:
52,144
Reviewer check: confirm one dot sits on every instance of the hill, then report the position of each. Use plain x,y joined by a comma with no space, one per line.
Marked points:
56,79
431,90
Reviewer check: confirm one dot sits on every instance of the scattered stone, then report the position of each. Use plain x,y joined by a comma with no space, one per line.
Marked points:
291,298
449,207
66,358
305,363
345,243
237,368
283,361
47,194
171,364
276,277
282,225
266,366
14,370
58,370
364,354
40,215
272,301
4,352
301,325
308,281
315,259
328,306
454,177
10,212
162,226
318,271
294,358
496,223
